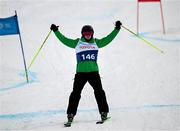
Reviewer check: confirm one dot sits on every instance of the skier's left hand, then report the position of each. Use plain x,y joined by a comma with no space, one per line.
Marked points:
118,25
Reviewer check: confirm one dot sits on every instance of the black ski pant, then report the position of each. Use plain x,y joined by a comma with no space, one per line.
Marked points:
94,80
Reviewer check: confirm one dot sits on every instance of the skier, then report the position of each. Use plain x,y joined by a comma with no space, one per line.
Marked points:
87,69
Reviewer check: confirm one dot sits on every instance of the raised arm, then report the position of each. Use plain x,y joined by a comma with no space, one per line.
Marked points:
106,40
66,41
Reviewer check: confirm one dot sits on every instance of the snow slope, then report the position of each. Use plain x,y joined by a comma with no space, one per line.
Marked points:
142,85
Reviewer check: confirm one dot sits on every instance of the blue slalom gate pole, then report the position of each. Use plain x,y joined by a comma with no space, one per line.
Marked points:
22,49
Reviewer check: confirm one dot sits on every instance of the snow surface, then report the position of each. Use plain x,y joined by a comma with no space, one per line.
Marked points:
142,85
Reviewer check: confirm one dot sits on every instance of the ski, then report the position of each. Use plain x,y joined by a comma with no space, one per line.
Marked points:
102,121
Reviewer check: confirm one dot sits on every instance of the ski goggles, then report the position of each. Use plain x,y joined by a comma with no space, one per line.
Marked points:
87,33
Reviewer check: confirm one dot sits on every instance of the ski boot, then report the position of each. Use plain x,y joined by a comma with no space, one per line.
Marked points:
103,116
70,120
70,117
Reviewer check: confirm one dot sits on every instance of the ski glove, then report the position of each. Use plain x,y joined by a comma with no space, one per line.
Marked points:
118,25
54,27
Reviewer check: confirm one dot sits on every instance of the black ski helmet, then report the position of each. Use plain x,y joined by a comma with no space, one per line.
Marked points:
87,28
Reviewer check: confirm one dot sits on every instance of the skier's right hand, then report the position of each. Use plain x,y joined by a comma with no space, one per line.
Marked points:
118,25
54,27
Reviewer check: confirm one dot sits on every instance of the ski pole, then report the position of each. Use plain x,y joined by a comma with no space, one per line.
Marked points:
145,41
39,50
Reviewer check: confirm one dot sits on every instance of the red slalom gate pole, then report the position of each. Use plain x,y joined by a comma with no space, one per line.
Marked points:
162,18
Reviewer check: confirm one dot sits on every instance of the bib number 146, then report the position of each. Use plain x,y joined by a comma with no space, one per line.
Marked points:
88,56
